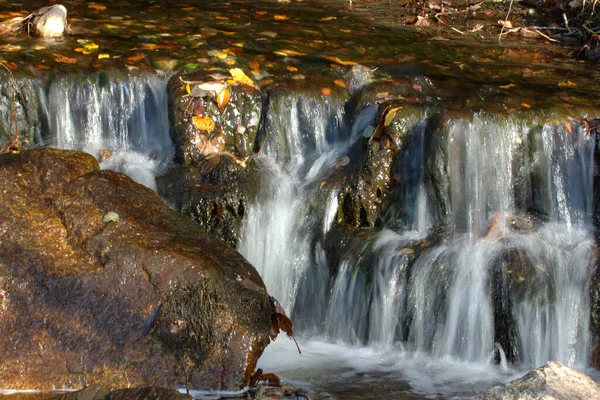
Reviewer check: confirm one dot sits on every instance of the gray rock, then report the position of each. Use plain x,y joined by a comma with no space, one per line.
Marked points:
553,381
49,21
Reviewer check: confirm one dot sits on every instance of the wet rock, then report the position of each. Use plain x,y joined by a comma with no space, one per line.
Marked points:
364,194
84,301
214,192
213,114
17,115
48,22
551,381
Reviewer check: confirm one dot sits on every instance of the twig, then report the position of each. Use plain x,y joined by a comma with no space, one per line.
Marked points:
505,20
546,36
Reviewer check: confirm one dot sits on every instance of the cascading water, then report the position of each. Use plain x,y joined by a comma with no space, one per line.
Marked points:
490,257
126,115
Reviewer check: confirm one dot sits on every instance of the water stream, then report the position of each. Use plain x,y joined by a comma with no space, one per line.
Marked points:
128,116
503,290
481,275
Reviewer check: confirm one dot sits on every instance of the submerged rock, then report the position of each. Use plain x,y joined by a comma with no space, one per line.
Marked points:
551,381
143,299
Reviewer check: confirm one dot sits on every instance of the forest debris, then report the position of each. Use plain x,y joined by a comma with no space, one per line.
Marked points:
281,322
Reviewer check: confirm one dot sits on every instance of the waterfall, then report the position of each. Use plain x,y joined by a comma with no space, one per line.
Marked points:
489,258
126,115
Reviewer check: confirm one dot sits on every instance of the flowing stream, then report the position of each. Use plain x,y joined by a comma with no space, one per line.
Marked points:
408,312
481,275
127,116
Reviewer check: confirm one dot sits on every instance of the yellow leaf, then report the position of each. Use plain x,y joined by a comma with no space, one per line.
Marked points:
346,30
203,123
82,50
341,62
38,47
288,53
90,47
103,55
98,7
187,88
509,86
240,77
150,46
389,117
280,17
110,26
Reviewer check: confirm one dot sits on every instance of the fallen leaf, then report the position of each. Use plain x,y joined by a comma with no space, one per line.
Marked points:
240,77
65,60
150,46
505,24
509,86
525,105
327,18
341,62
223,98
291,68
289,53
98,7
254,65
346,30
280,17
389,116
340,83
203,123
568,127
326,91
135,58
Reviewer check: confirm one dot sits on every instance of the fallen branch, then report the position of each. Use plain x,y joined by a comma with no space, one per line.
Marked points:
505,20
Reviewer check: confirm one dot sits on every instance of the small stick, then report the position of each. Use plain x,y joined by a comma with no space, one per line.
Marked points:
505,20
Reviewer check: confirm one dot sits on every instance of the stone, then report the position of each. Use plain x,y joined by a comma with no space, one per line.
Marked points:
84,301
49,22
553,381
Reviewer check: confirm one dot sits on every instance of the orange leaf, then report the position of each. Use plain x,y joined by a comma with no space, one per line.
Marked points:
223,98
291,68
281,17
525,105
65,60
254,65
341,62
203,123
98,7
340,83
326,91
135,58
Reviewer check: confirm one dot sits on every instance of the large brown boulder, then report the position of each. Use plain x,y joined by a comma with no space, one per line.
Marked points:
553,381
102,283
